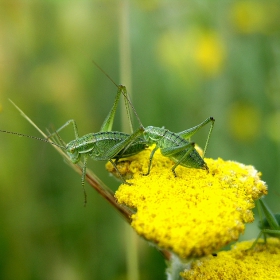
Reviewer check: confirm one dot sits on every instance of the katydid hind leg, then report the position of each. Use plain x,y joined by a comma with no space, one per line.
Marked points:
115,150
191,131
188,133
170,151
109,120
126,102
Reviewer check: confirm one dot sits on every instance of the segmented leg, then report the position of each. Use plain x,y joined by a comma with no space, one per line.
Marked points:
191,131
65,125
84,171
150,160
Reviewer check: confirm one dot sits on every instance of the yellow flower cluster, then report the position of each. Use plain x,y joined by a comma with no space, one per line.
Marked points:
195,213
262,262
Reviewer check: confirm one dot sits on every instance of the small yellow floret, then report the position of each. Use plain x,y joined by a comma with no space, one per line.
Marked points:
195,213
262,262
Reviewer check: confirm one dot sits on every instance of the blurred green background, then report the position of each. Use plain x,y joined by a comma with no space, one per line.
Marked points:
189,59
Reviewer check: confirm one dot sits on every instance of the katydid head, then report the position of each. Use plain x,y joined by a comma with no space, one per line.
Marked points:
73,152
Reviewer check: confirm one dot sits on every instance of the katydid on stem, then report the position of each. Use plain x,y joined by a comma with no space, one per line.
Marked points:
269,225
104,145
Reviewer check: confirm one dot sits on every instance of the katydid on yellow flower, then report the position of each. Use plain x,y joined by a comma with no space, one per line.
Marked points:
176,146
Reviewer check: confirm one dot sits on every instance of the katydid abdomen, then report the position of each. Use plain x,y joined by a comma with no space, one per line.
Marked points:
104,146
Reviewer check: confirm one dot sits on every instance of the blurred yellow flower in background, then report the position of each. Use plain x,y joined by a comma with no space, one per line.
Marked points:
244,121
194,51
255,16
210,53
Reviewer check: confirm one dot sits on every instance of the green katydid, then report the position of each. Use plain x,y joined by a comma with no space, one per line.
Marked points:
103,145
269,225
106,144
177,146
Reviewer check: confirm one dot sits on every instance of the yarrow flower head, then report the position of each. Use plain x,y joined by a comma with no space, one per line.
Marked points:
195,213
261,262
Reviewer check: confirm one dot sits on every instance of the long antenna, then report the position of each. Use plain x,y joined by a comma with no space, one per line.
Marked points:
32,137
125,95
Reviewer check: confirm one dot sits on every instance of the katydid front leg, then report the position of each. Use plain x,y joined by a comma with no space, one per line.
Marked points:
150,160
